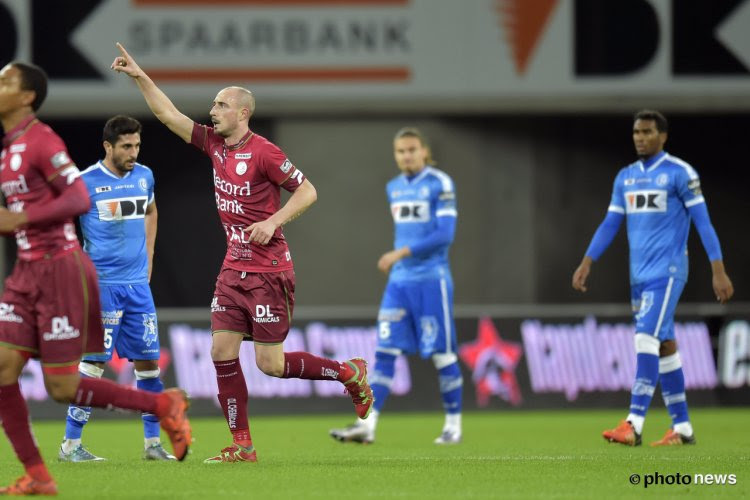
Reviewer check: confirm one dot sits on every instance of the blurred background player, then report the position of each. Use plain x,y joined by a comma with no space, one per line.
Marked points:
659,195
49,307
254,295
119,233
416,311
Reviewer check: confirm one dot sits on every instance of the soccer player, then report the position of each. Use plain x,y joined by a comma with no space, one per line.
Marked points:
254,294
49,308
658,195
119,232
416,311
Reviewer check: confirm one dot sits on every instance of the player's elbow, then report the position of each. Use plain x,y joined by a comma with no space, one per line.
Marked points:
310,192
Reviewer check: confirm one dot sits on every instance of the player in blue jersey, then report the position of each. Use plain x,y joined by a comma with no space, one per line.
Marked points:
119,232
416,311
659,195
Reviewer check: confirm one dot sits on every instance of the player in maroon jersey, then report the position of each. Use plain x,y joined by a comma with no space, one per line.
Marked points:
49,308
254,295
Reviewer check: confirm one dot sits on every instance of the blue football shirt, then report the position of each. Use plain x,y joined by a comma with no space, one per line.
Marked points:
416,203
655,197
114,229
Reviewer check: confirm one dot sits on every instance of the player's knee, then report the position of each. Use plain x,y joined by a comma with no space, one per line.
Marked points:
224,348
646,344
270,366
443,359
61,389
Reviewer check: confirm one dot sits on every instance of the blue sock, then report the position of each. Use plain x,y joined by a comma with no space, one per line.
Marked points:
451,387
673,388
76,418
381,379
150,421
646,377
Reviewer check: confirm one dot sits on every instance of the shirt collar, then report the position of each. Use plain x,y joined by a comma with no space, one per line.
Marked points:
19,129
652,162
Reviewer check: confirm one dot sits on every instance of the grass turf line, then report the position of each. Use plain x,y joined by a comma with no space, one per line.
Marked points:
512,454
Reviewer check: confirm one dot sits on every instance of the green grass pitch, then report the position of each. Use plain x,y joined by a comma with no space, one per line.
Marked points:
530,454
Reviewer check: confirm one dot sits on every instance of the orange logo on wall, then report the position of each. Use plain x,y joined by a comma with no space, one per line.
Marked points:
523,22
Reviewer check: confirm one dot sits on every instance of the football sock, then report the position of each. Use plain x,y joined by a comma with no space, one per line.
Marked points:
672,382
102,393
451,388
14,415
381,379
308,366
78,416
646,377
148,380
233,399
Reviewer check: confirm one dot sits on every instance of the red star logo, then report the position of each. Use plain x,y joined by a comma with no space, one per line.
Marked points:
493,363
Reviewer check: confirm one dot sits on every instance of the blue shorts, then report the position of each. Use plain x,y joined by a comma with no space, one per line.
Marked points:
129,320
654,303
417,316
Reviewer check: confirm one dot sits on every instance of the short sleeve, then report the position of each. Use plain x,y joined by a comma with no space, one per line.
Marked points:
446,198
688,186
52,158
201,137
279,169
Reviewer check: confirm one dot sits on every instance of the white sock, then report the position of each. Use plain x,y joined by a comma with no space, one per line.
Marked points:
452,422
684,428
371,421
149,442
70,444
637,422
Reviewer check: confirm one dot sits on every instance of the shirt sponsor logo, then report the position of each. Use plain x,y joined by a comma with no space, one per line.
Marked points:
60,159
14,187
110,318
263,314
227,187
61,330
286,166
243,156
219,157
410,211
122,208
7,314
103,189
646,201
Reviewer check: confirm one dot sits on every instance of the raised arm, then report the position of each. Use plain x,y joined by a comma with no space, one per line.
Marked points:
157,100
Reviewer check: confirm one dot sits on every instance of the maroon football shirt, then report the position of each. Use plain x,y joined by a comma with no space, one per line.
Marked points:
35,168
247,177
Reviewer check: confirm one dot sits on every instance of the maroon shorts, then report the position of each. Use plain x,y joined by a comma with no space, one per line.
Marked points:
257,305
50,310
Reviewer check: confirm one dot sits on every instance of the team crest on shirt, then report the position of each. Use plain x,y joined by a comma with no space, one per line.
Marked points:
662,180
15,162
241,168
142,184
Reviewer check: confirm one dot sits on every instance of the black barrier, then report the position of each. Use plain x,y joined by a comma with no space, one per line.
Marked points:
507,363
